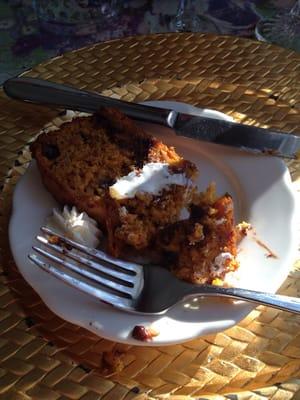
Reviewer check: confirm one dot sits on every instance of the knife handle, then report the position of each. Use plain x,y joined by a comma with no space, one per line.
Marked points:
48,93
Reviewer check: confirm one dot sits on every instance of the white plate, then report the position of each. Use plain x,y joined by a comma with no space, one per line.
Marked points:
263,195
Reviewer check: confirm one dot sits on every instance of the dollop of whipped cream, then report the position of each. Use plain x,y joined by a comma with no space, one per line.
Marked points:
77,226
220,263
152,178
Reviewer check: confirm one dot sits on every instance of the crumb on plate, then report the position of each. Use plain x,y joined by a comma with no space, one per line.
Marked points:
144,334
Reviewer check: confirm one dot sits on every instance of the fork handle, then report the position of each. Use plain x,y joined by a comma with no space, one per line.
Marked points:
44,92
284,303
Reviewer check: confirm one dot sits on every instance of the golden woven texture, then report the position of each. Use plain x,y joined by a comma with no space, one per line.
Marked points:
44,357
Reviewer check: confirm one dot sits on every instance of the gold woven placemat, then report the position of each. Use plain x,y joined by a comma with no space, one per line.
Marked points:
44,357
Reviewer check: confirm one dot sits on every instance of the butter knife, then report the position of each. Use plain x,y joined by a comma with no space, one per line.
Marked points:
207,129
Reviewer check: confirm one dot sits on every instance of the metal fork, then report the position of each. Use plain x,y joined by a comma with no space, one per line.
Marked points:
130,286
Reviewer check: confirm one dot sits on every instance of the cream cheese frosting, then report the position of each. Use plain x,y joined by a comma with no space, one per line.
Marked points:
152,178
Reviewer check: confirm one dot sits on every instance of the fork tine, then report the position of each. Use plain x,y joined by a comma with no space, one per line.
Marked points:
121,289
121,276
98,254
102,295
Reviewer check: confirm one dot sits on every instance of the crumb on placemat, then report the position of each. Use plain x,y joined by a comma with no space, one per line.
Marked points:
112,362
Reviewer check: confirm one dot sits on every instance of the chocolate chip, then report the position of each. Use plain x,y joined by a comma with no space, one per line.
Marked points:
106,182
83,136
197,212
50,151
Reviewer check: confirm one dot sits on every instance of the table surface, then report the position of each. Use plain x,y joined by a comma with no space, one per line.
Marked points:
42,356
33,31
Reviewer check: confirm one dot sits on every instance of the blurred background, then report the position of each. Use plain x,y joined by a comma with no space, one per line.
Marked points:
32,31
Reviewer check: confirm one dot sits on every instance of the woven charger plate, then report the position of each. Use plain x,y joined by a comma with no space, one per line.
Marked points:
44,357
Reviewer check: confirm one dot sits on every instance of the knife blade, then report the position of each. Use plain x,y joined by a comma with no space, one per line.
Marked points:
245,137
217,131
